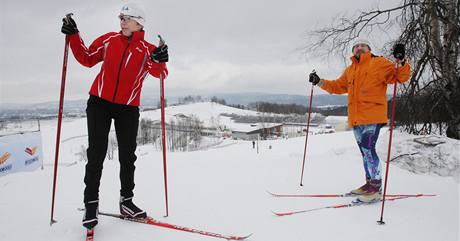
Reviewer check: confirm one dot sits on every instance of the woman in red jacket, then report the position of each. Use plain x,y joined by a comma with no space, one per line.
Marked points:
115,94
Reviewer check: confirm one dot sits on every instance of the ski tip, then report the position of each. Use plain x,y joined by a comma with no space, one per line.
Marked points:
270,193
274,213
280,214
246,237
240,238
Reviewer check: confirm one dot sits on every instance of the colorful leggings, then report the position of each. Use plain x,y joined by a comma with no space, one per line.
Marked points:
366,136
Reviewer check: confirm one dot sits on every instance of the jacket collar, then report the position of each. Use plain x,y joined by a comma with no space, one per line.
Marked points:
136,36
362,59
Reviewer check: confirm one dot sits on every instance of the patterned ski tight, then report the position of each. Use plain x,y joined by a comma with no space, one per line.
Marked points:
366,136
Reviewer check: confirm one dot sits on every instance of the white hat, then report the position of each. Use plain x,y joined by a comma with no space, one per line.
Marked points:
135,11
361,41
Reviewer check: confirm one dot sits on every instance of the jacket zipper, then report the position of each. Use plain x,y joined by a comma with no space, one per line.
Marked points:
355,105
119,70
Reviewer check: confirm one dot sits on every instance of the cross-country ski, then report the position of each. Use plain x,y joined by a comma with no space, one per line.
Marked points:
353,203
342,195
90,234
153,222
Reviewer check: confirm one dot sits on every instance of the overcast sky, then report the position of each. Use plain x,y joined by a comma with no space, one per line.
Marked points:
216,46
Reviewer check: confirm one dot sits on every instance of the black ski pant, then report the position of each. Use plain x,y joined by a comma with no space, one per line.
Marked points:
99,114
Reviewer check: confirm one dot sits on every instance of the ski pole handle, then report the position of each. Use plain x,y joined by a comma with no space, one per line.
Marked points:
313,78
162,41
68,16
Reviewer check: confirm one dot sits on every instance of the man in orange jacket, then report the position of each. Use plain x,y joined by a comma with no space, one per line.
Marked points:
365,81
115,94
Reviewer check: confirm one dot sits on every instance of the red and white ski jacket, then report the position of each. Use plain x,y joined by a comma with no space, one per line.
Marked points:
125,63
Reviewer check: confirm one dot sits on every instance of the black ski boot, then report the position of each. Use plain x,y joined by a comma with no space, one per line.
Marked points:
129,209
90,216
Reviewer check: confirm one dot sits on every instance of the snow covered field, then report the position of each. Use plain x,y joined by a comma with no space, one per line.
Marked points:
208,112
223,190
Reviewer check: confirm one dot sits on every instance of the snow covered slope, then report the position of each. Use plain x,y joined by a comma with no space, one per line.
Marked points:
210,113
223,189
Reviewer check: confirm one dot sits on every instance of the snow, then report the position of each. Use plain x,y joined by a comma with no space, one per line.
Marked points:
208,112
12,128
442,159
223,189
336,119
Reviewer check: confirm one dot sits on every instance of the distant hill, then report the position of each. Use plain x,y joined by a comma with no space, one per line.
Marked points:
77,108
318,100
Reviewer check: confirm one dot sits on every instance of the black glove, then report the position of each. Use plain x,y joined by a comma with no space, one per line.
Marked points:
69,26
399,51
160,54
314,78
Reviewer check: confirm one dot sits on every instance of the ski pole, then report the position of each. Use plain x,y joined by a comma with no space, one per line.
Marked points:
163,131
306,136
58,134
393,109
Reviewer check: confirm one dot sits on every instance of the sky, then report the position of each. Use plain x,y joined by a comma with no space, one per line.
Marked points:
215,46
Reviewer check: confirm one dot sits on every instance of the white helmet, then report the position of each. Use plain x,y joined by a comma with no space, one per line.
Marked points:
135,11
361,41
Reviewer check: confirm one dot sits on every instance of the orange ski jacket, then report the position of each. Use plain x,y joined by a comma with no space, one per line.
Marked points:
366,82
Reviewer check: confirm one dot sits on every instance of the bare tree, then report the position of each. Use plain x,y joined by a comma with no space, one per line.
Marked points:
217,100
180,133
430,30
